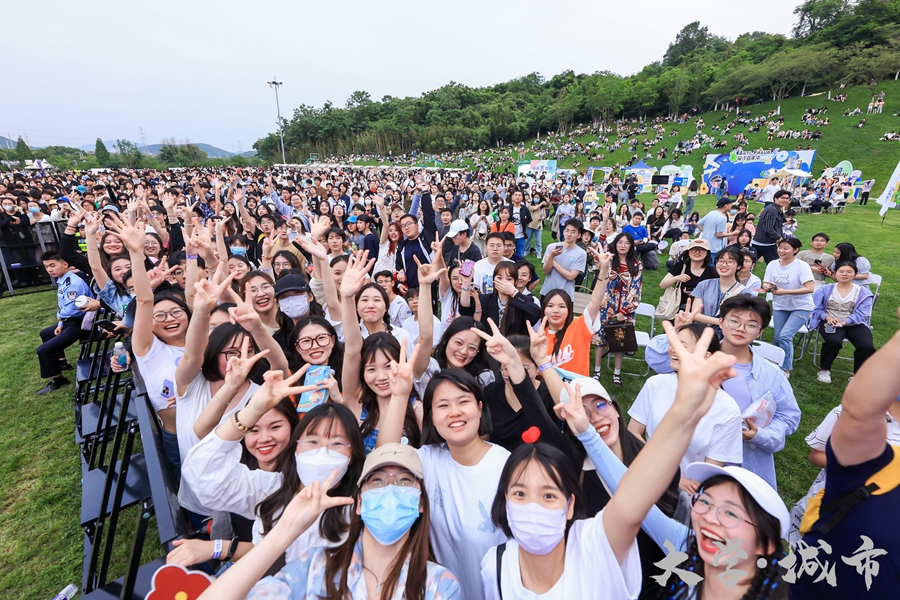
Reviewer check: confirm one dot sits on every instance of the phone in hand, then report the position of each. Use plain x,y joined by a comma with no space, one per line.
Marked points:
829,328
309,400
467,268
106,325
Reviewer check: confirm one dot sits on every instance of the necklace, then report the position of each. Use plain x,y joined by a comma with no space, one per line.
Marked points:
378,582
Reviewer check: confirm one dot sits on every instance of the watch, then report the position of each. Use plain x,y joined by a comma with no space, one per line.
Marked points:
231,549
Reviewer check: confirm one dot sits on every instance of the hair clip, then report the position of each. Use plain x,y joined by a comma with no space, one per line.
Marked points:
531,435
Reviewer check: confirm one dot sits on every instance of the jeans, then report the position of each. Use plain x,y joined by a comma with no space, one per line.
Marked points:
689,206
536,235
520,245
170,444
787,324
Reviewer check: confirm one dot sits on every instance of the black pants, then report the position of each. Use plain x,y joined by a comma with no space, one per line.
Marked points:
859,335
864,198
767,253
54,346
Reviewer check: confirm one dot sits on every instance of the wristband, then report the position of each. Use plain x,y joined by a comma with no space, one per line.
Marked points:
466,289
191,256
545,366
217,549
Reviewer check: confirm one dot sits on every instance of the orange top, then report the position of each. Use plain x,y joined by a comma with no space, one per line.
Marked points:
575,350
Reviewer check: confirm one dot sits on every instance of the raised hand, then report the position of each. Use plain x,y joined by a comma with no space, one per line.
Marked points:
308,504
207,294
91,226
159,273
539,342
498,346
76,217
401,373
132,236
238,368
699,377
573,411
603,260
438,245
275,388
356,274
428,273
319,226
244,314
314,247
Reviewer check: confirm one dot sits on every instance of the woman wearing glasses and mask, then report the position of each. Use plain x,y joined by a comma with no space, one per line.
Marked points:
385,555
254,464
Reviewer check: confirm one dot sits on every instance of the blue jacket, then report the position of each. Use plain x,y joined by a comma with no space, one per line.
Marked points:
862,311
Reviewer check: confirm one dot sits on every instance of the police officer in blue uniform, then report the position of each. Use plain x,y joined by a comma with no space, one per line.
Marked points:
67,331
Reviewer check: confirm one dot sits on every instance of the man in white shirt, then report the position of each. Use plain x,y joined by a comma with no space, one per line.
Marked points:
483,275
565,261
714,227
768,194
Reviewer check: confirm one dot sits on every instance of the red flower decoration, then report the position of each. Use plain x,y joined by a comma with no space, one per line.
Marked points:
174,582
531,435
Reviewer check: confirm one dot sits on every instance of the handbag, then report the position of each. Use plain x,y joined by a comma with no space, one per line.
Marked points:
620,337
670,301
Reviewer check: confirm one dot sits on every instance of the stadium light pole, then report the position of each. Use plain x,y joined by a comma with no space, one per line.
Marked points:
275,85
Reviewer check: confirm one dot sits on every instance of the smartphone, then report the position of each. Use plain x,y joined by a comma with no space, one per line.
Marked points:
818,261
312,399
106,325
829,328
467,268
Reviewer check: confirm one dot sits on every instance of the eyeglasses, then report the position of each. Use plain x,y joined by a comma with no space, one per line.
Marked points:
307,343
407,224
729,517
176,273
312,442
175,313
263,289
229,354
380,480
601,407
737,323
726,263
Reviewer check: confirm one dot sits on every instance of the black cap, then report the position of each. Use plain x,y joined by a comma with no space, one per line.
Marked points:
291,283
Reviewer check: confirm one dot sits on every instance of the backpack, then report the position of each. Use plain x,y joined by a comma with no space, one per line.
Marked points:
881,482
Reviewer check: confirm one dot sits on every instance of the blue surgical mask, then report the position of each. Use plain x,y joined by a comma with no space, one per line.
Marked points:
238,250
34,209
733,211
389,512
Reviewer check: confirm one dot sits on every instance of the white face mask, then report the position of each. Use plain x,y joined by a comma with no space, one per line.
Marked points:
537,529
294,306
317,465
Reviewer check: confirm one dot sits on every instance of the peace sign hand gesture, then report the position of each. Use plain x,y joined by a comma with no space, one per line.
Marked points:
238,368
539,342
573,411
245,315
699,377
499,347
300,514
207,294
273,390
401,373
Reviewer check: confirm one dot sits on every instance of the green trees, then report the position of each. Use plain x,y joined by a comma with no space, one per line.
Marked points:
128,153
834,41
101,153
23,152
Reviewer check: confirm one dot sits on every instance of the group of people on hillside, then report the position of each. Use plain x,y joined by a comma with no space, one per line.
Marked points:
364,382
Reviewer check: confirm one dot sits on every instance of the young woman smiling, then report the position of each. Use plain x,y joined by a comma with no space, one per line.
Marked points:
790,282
710,293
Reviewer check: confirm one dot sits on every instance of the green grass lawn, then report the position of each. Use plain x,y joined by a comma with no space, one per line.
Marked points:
40,488
841,139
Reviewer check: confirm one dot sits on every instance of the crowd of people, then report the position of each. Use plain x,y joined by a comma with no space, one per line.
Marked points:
364,382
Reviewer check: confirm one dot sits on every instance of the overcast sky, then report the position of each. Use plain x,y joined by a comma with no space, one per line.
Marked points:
76,71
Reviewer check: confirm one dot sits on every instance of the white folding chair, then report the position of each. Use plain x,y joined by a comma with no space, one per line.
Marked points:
643,337
770,352
874,279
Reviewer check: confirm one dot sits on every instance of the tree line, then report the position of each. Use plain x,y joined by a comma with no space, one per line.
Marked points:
834,42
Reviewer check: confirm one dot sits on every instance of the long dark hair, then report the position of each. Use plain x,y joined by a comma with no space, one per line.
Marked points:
463,381
479,364
848,252
511,313
120,287
767,583
333,525
558,468
633,267
390,347
221,337
335,361
416,547
570,307
387,304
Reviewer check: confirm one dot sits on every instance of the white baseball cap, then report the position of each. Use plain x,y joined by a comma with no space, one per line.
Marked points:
457,227
589,387
757,487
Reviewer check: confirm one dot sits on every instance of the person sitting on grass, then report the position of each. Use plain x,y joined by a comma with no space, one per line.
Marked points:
67,331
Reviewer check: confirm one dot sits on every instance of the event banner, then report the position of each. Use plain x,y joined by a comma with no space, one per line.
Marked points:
890,197
740,167
538,168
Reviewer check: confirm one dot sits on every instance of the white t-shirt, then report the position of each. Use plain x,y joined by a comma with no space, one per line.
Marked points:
591,569
412,328
718,433
190,405
399,311
792,277
570,259
399,334
461,499
483,276
449,312
157,369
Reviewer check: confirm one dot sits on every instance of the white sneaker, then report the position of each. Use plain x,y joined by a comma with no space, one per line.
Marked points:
824,376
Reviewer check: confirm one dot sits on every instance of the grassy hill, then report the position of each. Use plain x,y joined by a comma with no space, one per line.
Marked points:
841,139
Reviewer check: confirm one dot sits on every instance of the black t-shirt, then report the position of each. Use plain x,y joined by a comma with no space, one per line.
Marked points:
688,287
875,517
